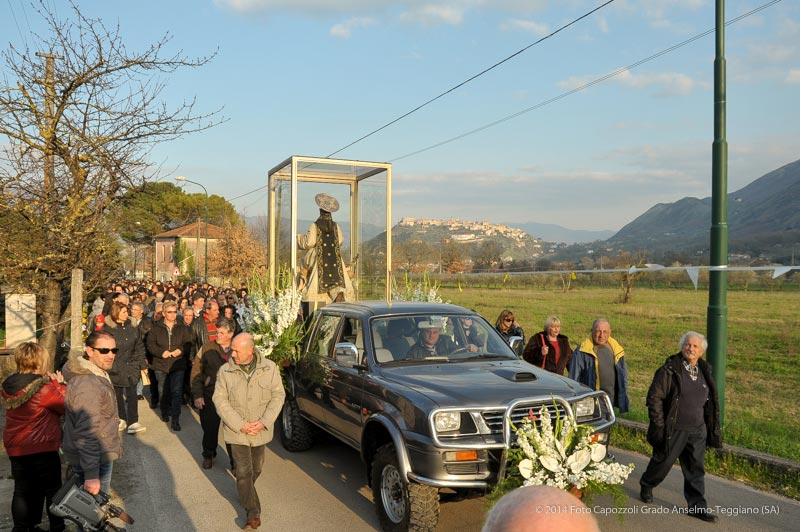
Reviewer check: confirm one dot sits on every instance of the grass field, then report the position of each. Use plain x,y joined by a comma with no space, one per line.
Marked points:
763,356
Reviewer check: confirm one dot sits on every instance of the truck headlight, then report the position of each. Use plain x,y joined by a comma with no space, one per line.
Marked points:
584,408
447,421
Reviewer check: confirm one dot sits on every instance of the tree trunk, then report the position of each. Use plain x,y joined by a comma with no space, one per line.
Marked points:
51,313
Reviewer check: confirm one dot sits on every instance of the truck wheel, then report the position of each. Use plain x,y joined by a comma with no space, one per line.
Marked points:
297,434
401,505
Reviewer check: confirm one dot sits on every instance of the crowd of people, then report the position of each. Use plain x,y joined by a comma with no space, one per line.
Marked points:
181,344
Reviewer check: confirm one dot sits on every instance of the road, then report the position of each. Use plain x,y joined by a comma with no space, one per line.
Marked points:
163,487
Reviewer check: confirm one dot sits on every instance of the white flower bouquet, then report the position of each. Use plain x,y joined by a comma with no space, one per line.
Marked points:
563,456
425,290
273,322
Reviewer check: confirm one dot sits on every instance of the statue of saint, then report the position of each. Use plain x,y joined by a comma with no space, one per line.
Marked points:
323,275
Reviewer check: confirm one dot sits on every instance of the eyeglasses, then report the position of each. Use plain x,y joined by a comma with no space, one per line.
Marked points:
106,350
171,312
508,320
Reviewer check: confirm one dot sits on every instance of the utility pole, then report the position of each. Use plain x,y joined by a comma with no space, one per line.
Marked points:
50,134
717,317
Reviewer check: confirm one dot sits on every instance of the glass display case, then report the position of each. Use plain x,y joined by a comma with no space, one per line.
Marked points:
363,191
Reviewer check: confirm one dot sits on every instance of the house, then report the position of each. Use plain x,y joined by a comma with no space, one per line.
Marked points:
193,237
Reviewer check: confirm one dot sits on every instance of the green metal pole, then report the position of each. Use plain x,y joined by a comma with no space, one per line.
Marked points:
718,276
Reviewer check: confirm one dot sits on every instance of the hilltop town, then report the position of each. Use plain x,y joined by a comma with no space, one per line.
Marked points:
473,231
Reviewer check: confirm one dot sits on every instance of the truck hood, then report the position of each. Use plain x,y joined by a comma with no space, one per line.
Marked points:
481,383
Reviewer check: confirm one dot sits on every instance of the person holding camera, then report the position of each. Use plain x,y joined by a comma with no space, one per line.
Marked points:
91,441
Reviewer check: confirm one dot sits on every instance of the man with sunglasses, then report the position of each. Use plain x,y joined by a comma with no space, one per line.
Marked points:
91,441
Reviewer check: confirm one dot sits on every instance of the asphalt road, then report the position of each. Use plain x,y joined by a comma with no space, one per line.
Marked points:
161,484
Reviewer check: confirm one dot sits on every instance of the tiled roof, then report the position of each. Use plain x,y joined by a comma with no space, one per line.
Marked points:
190,231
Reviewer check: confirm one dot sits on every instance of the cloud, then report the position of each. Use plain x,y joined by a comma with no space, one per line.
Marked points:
538,29
345,29
425,12
602,24
793,76
666,84
433,14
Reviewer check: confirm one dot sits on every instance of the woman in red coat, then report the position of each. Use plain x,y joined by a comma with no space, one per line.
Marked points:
34,402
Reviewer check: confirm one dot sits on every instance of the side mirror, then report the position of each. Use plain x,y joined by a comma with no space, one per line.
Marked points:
346,354
516,344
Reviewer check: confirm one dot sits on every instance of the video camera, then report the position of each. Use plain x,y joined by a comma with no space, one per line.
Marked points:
90,512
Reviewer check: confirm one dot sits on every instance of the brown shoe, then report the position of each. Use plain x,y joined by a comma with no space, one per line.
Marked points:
252,524
207,463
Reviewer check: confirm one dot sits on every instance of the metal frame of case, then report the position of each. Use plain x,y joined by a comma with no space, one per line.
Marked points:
355,175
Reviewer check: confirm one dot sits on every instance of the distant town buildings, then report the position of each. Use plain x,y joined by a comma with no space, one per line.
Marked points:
467,231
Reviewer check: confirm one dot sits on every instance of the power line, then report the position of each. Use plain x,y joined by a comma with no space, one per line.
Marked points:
479,74
248,193
582,87
14,16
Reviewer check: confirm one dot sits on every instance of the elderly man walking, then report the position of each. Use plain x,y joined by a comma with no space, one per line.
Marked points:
684,417
248,397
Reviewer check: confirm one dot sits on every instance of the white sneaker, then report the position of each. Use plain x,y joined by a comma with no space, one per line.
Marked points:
136,427
122,425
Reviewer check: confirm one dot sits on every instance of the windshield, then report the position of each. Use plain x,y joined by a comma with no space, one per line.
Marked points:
436,338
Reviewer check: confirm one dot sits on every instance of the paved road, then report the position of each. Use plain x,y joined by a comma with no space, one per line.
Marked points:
164,488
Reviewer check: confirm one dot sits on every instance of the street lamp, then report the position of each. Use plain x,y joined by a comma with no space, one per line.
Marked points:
205,259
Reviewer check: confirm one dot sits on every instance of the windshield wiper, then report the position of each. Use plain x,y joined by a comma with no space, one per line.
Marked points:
487,355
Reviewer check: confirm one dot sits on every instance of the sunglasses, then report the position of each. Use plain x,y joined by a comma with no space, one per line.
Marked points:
508,320
106,350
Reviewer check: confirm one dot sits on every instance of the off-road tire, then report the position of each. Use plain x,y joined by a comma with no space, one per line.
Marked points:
401,505
296,433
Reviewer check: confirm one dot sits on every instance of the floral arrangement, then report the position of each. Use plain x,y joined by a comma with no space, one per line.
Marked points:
273,322
425,290
563,456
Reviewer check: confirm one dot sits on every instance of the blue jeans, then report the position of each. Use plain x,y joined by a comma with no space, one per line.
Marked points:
170,392
105,475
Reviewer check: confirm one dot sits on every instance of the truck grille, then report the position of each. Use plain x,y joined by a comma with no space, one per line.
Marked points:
494,418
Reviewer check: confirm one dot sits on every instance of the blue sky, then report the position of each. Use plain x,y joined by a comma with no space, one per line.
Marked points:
308,77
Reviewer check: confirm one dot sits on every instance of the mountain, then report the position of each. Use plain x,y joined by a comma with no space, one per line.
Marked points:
557,233
763,219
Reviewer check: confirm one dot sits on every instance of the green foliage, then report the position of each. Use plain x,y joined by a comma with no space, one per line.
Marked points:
156,207
185,259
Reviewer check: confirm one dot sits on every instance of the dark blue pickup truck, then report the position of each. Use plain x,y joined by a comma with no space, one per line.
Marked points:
427,394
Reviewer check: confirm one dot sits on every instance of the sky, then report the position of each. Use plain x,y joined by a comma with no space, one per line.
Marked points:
308,77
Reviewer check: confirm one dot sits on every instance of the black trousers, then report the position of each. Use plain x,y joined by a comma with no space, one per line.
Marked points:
37,478
127,404
210,421
690,447
170,392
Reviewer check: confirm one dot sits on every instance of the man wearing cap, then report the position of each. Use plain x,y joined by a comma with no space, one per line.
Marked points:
431,342
323,275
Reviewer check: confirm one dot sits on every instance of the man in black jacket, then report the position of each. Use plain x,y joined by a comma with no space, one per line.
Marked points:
211,357
166,343
684,417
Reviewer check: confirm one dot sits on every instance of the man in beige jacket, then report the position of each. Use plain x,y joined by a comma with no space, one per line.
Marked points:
248,397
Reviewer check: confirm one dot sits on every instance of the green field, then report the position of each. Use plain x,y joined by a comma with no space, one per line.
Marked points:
763,355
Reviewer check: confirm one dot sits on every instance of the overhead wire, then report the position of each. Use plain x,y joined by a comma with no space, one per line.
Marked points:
582,87
476,76
455,87
550,100
16,23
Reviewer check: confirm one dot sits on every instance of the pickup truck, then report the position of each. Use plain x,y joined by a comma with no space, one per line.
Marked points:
427,394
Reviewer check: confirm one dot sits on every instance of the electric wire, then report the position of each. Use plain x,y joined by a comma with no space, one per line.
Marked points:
14,16
555,98
581,87
476,76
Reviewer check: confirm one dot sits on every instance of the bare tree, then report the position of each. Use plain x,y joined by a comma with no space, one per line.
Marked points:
238,256
77,125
